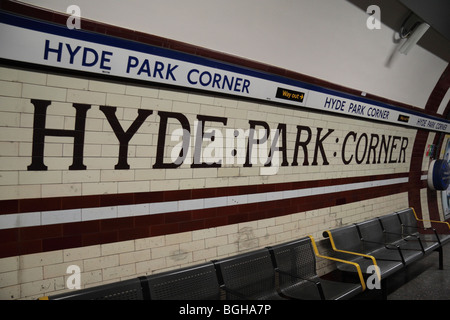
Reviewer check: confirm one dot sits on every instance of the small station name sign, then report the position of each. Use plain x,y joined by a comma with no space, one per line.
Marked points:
40,43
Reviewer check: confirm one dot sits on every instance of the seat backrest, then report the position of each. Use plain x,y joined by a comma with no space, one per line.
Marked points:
124,290
296,258
346,238
191,283
392,227
372,234
252,274
408,221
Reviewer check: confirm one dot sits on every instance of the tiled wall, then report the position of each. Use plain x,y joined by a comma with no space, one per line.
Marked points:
120,223
35,275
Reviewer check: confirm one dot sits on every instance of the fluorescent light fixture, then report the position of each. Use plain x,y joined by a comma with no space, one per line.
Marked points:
413,38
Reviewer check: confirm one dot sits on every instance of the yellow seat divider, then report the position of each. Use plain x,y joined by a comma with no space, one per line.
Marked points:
358,268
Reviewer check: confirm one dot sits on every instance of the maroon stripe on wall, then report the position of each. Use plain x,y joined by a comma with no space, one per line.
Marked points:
439,91
431,107
94,201
415,181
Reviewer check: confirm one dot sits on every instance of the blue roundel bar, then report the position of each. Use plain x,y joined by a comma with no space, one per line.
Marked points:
439,175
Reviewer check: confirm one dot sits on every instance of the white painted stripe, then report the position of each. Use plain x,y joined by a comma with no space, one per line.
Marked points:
18,220
28,219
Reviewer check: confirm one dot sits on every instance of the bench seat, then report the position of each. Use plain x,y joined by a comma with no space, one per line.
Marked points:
197,282
123,290
391,242
284,271
296,263
248,276
384,246
410,223
347,245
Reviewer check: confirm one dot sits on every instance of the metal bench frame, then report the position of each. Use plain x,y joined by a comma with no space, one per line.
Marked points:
433,241
295,263
255,274
191,283
386,242
248,276
382,245
131,289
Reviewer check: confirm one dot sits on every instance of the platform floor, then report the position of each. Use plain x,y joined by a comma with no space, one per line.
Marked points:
422,280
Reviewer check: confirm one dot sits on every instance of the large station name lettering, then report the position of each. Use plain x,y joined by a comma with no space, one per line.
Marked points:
310,143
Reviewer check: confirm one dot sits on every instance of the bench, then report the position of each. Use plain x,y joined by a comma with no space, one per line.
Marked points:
254,275
197,282
284,271
347,245
439,229
248,276
190,283
123,290
390,242
382,246
295,263
432,241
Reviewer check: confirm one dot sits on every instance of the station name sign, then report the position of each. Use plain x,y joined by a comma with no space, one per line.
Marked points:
45,44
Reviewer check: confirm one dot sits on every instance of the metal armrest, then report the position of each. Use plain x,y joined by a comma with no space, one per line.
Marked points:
421,228
402,234
358,268
409,235
351,252
385,244
316,283
234,292
416,226
432,221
